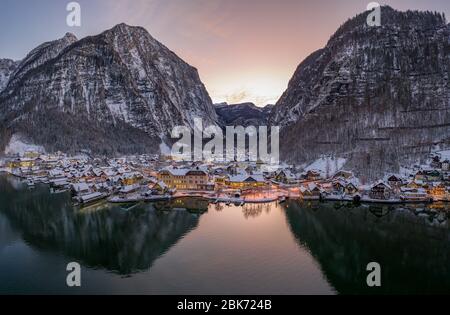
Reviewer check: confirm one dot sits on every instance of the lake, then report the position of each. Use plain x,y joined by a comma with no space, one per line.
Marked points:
192,247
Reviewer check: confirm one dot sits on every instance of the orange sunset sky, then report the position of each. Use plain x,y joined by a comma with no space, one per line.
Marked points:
245,50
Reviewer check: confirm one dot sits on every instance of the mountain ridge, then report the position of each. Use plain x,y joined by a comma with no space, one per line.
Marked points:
7,68
370,94
243,114
120,78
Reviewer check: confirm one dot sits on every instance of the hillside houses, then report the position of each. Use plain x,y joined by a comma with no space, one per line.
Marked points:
429,176
395,181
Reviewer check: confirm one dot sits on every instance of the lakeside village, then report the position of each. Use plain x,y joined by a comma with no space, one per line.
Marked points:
144,178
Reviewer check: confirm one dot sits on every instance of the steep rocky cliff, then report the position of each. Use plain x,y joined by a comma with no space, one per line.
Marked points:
118,92
378,96
7,68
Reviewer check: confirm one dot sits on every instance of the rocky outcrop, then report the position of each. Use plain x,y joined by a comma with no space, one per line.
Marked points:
376,95
118,92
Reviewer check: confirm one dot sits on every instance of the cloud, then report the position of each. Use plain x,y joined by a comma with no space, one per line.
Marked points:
238,97
243,96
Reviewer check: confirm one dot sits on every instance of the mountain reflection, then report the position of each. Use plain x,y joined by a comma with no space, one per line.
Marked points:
413,250
124,242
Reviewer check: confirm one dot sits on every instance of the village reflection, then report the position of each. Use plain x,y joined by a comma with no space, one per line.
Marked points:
193,205
124,242
411,243
255,210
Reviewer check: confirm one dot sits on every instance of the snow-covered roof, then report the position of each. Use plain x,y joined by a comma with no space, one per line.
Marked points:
129,188
312,186
287,173
241,178
382,183
177,171
109,172
184,171
97,172
303,189
80,187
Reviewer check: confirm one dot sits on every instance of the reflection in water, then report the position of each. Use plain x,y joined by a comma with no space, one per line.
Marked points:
109,238
296,248
411,245
255,210
193,205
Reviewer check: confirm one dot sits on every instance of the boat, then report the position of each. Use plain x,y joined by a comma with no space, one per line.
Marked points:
415,195
90,198
282,200
130,207
415,198
41,179
55,191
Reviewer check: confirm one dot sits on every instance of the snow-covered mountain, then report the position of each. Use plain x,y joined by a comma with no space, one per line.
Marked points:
7,68
245,114
376,95
41,55
117,92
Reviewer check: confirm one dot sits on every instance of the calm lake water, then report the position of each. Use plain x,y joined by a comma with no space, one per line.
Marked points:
295,248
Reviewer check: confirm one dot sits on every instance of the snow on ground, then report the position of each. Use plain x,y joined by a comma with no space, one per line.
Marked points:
18,146
445,155
164,148
327,165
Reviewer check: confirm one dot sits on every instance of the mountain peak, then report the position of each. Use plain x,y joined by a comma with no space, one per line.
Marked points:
392,18
242,114
70,37
123,27
122,85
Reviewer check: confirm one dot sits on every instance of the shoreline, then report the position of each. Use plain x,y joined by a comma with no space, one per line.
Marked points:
215,200
280,197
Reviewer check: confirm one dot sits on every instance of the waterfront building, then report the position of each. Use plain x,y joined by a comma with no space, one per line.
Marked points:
244,181
339,186
285,177
310,191
185,179
414,194
159,188
438,192
313,175
395,181
80,188
21,163
381,191
351,189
